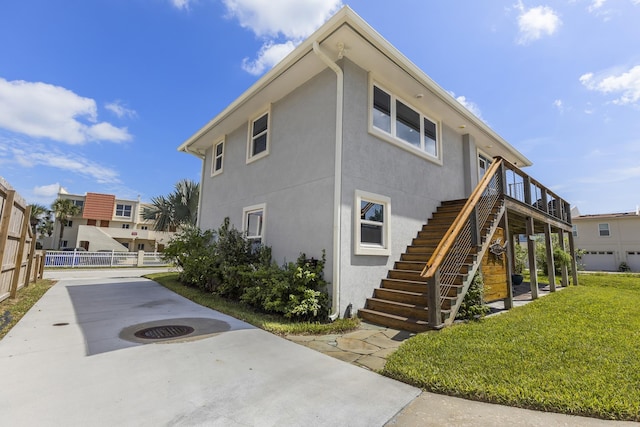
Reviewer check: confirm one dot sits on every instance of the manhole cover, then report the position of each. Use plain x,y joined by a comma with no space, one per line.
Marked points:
164,331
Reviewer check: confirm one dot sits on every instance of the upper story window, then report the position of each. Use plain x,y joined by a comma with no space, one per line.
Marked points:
483,165
144,227
79,203
372,232
399,122
603,230
125,226
218,157
123,210
574,230
258,144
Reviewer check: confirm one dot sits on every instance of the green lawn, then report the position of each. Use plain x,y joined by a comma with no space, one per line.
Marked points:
576,351
12,310
271,323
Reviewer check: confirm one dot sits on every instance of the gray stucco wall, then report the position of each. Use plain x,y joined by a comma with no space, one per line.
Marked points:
295,180
416,187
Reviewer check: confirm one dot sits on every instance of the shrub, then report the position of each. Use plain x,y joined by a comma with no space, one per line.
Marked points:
194,252
624,267
472,306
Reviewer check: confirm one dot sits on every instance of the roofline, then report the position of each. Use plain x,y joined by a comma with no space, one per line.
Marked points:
347,16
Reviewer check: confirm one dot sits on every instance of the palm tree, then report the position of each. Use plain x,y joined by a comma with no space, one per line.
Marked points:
37,212
63,210
176,209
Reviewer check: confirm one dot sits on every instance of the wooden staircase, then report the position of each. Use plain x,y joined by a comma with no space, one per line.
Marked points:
401,301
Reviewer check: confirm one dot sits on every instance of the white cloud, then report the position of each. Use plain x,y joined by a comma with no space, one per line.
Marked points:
469,105
181,4
120,110
559,105
294,19
283,24
30,155
50,190
536,22
270,54
46,111
595,5
625,84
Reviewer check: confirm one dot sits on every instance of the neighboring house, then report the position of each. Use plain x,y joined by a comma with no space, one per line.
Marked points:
107,223
346,146
608,240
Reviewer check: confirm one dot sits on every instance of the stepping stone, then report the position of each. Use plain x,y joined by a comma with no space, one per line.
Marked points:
356,346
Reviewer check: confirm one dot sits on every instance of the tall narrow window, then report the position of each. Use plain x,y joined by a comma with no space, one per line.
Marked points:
253,223
381,109
218,157
258,138
574,230
371,224
603,230
483,165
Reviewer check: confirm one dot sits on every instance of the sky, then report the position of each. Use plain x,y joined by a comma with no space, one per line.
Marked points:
96,96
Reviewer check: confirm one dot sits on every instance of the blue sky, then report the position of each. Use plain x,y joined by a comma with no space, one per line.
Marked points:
96,95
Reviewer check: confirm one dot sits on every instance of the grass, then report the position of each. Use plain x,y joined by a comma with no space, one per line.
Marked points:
574,352
12,310
274,324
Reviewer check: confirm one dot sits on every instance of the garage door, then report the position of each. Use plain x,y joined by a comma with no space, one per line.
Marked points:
599,261
633,260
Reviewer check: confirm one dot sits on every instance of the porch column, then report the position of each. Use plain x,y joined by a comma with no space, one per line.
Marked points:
433,299
574,266
563,268
531,249
508,301
551,268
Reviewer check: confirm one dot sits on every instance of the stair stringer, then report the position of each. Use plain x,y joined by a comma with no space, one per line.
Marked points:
486,242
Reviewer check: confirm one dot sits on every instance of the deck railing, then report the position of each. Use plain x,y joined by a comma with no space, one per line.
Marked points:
464,238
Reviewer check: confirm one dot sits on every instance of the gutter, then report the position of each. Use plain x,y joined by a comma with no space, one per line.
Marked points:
337,187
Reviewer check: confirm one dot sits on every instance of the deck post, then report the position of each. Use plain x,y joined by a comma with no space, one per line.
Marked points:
508,301
574,266
551,268
563,268
433,299
531,249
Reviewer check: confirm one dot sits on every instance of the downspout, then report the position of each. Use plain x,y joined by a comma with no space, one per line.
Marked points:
337,188
202,171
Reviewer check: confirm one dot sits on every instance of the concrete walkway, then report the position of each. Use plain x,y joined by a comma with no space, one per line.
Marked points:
91,370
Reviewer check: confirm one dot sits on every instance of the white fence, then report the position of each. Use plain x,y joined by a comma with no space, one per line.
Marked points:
73,259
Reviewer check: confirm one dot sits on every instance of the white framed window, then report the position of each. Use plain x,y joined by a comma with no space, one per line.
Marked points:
69,223
253,223
398,122
574,230
217,161
141,246
258,142
144,227
123,210
484,162
372,233
603,230
126,226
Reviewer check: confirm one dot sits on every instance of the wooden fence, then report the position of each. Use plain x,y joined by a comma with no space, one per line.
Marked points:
19,263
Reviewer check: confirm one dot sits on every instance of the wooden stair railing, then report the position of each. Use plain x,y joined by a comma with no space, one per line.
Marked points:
469,234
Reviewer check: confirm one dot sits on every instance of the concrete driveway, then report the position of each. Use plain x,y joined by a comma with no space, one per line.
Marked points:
74,360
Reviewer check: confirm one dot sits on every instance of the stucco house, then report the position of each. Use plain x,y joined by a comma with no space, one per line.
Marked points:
346,146
107,223
608,240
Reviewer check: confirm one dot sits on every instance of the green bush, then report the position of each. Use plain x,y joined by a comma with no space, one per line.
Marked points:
472,306
230,265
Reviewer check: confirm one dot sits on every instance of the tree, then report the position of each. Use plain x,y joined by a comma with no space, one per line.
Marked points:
36,217
176,209
64,209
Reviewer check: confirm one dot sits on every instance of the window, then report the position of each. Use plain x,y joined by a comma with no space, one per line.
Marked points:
574,230
372,213
391,117
79,203
125,244
125,225
141,246
144,227
69,223
123,210
253,223
483,165
603,230
217,160
258,144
